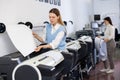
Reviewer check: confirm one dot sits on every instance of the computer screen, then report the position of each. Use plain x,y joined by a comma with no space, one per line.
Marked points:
97,17
94,25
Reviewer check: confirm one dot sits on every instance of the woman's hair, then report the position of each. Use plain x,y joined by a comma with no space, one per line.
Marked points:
57,12
108,19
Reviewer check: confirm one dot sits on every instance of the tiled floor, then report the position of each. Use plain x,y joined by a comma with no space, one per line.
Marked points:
95,74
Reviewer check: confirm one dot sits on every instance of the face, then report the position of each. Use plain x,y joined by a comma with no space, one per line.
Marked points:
106,22
53,18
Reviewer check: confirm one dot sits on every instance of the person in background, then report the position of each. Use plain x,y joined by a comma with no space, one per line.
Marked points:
109,36
55,32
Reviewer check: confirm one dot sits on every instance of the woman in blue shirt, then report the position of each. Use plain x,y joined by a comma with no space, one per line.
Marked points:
55,32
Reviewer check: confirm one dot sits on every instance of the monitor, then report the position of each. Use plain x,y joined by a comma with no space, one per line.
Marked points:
94,25
97,17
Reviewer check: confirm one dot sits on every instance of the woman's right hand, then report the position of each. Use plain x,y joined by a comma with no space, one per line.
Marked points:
37,37
99,36
34,34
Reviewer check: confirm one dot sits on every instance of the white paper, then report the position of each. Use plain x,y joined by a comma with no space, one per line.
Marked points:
100,45
103,50
22,38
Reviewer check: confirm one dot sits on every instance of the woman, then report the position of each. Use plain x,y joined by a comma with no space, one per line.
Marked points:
55,32
110,44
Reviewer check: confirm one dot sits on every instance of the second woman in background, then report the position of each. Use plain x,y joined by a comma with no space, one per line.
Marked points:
110,43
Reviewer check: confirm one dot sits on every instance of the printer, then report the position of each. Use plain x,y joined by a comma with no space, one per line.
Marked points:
14,56
39,67
18,61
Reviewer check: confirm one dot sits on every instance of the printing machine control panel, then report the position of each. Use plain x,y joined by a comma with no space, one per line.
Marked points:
74,45
50,58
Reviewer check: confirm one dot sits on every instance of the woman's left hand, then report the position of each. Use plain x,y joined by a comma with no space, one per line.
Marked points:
106,40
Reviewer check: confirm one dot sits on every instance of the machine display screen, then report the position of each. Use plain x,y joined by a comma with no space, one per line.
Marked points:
94,25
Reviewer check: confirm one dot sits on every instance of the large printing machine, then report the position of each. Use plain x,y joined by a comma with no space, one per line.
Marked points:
46,64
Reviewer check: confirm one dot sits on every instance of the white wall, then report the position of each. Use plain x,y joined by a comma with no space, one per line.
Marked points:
83,12
108,8
78,11
66,10
13,11
67,15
